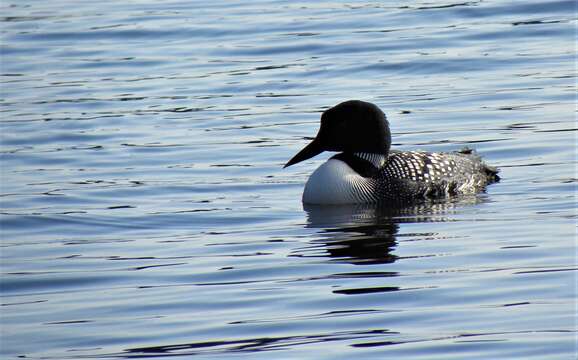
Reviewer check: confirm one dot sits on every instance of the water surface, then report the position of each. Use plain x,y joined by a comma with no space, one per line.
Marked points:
145,211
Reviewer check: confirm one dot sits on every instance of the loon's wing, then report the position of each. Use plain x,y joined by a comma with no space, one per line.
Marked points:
415,173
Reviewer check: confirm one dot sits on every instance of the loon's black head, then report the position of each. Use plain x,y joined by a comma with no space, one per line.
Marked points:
352,126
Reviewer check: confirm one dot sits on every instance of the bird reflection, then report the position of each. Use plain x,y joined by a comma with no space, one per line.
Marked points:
365,234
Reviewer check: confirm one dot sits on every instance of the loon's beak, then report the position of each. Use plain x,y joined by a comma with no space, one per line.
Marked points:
309,151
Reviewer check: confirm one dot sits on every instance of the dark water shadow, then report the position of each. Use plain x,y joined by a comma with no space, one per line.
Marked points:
247,346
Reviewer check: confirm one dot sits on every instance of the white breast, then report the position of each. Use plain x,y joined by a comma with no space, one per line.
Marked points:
334,182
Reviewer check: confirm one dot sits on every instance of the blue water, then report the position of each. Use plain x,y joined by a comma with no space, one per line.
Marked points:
145,211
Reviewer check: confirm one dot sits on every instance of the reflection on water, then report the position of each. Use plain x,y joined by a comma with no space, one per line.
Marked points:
365,234
360,234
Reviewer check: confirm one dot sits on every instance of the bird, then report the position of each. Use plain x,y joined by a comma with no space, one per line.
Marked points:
366,169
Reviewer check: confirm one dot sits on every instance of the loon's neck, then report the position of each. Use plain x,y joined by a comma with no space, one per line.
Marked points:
377,160
364,164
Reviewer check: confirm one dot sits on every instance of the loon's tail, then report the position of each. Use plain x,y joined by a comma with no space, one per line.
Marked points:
490,171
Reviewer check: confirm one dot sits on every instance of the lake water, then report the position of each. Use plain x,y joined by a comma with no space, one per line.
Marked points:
146,214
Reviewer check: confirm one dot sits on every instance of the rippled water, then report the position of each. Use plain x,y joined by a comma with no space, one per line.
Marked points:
145,211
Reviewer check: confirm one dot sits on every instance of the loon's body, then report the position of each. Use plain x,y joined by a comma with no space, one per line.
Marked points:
367,171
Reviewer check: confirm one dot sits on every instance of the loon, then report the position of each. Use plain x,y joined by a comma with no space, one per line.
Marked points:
366,171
